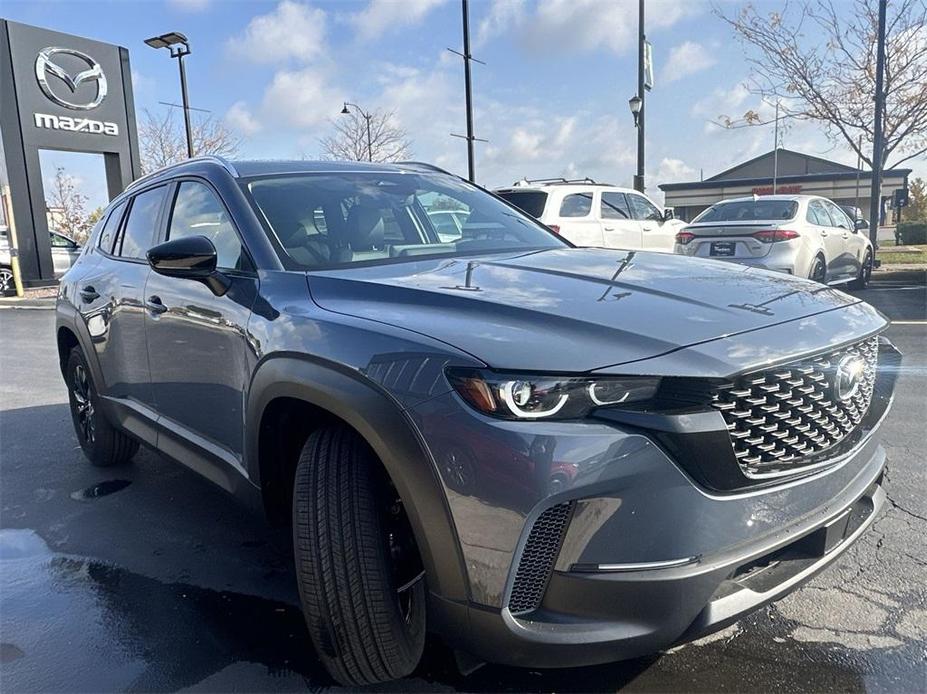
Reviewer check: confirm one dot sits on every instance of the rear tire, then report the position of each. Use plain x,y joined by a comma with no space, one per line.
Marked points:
360,579
818,270
7,285
865,273
102,443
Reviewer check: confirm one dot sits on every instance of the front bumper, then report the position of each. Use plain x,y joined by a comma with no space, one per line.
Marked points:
649,555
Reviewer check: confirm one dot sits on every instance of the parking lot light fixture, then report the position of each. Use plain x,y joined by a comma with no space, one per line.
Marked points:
179,47
367,116
635,103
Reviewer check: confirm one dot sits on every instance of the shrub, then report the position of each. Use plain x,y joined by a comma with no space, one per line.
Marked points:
908,233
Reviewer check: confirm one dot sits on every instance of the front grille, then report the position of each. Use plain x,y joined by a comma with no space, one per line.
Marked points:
538,557
784,418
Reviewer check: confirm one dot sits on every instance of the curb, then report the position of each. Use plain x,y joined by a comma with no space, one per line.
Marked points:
28,304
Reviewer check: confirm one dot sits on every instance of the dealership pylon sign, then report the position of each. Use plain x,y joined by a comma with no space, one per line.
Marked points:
60,92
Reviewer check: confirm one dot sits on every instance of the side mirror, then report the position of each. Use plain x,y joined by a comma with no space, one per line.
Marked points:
861,224
191,258
668,214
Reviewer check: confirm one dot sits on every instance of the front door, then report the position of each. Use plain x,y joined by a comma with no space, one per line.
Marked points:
831,238
655,235
198,346
63,251
619,228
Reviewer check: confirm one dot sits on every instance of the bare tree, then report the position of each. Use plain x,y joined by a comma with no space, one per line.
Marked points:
163,141
388,141
821,66
66,207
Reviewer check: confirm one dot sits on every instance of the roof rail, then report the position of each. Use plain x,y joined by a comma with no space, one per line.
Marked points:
424,165
214,158
558,179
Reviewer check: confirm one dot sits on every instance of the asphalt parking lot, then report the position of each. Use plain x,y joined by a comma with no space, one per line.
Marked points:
146,578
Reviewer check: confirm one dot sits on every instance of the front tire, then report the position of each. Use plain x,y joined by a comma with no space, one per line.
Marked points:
865,273
102,443
7,284
360,578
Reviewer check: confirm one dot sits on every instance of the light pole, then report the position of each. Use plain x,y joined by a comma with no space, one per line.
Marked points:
367,116
179,47
637,102
875,191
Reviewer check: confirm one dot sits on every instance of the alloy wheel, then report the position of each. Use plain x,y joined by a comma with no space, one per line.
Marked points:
405,562
818,271
83,403
6,280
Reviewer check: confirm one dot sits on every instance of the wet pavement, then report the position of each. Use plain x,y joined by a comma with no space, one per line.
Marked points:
146,578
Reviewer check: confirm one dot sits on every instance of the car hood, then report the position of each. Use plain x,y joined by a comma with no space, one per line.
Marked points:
576,309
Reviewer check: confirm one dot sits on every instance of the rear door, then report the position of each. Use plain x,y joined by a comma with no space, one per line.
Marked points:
619,228
578,218
198,344
655,235
831,238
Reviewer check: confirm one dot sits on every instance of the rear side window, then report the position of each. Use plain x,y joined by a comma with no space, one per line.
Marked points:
141,227
576,205
108,235
198,212
615,206
817,214
530,202
643,209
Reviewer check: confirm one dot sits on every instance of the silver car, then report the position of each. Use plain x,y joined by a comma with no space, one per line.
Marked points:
802,235
64,252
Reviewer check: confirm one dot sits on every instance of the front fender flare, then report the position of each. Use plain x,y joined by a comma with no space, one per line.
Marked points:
389,431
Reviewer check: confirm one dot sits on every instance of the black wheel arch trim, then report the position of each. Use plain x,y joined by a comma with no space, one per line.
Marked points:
389,431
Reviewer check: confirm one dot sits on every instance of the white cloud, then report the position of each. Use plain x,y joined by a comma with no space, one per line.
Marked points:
673,170
189,5
382,15
293,30
586,25
721,102
301,98
504,15
241,119
686,59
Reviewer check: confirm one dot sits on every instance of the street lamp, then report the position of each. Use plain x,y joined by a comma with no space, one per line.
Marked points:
367,116
179,47
635,102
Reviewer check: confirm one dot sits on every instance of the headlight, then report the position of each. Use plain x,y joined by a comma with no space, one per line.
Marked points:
516,396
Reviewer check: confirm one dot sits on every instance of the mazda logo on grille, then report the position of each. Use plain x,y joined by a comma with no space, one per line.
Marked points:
848,376
45,67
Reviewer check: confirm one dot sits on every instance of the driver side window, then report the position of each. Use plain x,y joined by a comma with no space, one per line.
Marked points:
643,209
198,212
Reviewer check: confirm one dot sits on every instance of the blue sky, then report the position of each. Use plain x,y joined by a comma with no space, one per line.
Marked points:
551,99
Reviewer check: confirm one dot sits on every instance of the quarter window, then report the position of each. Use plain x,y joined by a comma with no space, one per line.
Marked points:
198,212
576,205
108,235
141,227
643,209
615,206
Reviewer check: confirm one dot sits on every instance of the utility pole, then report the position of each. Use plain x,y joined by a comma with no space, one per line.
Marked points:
468,91
875,191
641,38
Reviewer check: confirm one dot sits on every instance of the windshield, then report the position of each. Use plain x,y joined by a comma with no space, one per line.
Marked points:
749,211
332,219
531,201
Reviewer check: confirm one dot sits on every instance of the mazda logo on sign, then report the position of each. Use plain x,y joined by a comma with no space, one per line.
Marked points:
45,66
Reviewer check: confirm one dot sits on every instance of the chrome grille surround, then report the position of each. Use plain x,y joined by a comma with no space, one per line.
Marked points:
784,418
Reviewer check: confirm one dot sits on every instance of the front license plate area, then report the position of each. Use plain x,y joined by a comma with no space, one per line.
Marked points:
722,248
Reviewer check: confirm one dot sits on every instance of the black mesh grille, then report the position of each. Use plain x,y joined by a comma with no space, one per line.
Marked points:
782,419
538,558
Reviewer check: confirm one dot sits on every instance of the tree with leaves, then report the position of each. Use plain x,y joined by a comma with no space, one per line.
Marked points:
387,140
66,205
163,140
916,211
819,65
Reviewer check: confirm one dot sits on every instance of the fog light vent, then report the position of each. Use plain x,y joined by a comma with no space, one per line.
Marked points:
538,557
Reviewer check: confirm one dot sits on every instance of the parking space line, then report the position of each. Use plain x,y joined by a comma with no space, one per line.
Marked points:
909,322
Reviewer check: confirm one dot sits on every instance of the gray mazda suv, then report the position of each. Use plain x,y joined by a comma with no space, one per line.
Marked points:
548,456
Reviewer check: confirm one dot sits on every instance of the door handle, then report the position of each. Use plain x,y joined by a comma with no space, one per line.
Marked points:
609,228
823,232
155,305
89,294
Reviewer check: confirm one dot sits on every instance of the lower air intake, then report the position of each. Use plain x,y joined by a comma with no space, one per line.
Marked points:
538,557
